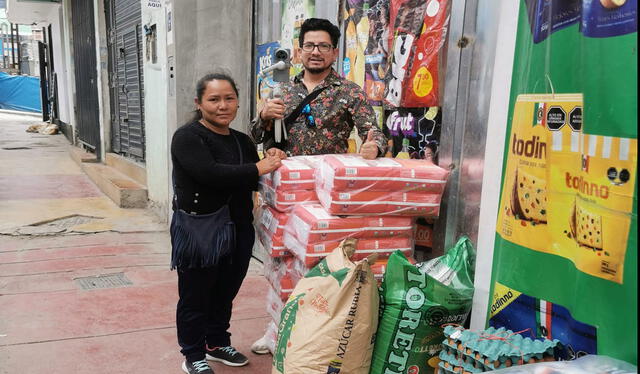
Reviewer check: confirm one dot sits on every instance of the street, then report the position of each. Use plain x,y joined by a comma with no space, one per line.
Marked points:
85,286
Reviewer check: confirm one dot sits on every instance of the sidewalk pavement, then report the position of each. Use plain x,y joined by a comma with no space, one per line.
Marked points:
58,232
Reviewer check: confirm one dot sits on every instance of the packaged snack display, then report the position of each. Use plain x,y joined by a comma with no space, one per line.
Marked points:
422,84
352,172
311,224
416,301
329,322
311,254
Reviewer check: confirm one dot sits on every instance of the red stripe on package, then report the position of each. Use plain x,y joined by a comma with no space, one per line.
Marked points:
352,172
312,254
273,245
273,220
274,304
296,173
421,86
284,201
411,203
277,271
424,235
311,223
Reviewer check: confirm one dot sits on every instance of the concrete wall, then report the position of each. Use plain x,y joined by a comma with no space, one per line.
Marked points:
69,78
102,66
209,35
60,49
156,108
204,35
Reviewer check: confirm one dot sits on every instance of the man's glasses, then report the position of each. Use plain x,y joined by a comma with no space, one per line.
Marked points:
322,47
310,121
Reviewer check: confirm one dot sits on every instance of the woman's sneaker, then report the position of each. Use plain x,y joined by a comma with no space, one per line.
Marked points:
196,367
227,355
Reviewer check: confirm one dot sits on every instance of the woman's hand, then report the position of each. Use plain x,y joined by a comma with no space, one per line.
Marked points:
268,164
275,152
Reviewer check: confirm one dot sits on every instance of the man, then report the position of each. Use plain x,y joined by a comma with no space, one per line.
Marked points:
324,125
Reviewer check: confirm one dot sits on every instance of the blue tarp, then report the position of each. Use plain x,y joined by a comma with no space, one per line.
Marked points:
20,93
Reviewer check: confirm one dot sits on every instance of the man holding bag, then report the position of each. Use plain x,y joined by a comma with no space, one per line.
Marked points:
318,107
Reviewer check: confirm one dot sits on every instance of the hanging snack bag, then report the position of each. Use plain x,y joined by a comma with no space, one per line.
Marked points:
329,322
417,300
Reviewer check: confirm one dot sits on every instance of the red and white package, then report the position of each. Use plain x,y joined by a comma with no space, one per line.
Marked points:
312,254
272,244
352,172
296,173
271,336
284,201
410,203
274,304
311,223
273,221
278,272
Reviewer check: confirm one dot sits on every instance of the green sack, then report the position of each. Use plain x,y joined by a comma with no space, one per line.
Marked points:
416,301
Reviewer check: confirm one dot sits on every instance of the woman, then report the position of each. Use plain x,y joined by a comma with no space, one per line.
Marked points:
215,171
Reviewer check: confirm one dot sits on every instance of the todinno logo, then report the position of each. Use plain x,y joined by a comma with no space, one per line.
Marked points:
436,315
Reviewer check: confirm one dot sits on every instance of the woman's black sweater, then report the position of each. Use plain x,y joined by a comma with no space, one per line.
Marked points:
207,171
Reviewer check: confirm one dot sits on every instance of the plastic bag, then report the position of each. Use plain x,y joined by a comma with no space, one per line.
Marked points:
416,301
585,364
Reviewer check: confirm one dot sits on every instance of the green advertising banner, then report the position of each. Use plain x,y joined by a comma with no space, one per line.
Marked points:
565,257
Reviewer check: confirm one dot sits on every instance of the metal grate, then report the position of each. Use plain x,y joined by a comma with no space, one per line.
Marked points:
104,281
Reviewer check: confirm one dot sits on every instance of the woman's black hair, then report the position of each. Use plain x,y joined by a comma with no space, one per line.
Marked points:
201,86
320,24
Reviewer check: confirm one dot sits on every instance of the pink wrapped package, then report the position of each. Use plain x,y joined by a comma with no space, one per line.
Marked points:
296,173
272,244
284,201
364,202
311,223
352,172
273,221
277,271
274,304
312,254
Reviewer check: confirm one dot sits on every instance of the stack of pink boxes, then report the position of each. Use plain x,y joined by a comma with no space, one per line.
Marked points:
315,202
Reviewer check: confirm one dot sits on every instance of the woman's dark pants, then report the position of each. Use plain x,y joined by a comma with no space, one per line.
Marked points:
206,296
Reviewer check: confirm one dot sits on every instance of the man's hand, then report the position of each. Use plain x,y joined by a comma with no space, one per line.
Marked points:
272,109
275,152
369,149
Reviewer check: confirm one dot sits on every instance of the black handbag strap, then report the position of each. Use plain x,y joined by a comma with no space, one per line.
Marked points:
173,173
296,112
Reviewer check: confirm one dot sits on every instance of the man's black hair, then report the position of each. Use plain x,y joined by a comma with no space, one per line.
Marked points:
320,24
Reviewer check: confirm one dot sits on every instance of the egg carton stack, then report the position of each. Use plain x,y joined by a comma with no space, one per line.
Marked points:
351,185
311,233
465,351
